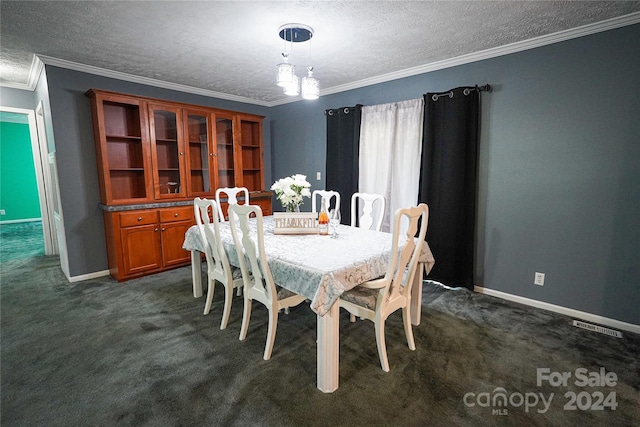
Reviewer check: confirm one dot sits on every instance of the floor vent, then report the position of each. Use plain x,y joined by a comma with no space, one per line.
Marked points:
596,328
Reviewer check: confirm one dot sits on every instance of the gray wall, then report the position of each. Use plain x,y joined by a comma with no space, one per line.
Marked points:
559,175
559,166
76,157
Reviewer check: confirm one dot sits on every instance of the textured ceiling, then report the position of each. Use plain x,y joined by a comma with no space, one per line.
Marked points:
232,47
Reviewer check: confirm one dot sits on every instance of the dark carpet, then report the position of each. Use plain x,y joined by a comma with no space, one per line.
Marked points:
140,353
21,240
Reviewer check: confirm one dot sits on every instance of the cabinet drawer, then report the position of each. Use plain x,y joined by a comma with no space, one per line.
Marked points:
177,214
129,219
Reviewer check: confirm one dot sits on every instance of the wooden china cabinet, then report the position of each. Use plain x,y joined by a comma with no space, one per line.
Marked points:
155,156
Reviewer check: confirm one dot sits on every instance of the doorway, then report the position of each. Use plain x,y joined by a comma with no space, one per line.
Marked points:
33,223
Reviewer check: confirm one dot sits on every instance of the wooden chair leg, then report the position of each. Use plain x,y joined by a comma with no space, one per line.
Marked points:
271,333
228,300
382,347
408,330
210,289
246,315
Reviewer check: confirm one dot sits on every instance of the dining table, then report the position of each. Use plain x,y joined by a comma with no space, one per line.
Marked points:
321,268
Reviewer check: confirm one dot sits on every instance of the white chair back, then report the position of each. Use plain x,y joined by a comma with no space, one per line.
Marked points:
232,197
218,267
204,210
376,299
372,207
250,241
258,282
403,265
327,195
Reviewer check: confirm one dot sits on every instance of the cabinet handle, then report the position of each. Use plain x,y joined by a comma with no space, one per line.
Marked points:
163,229
139,218
176,215
181,153
155,229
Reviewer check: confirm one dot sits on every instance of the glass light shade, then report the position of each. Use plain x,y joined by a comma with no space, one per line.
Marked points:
293,88
285,73
310,86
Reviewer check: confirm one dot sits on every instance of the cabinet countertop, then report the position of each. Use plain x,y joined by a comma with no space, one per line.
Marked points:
171,204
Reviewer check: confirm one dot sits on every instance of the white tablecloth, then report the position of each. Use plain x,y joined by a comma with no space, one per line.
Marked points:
319,267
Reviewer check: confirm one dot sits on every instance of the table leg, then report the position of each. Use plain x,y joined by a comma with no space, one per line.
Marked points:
196,273
416,295
328,350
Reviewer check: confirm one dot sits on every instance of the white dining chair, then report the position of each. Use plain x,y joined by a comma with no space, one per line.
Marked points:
232,197
327,195
376,299
218,268
372,207
258,282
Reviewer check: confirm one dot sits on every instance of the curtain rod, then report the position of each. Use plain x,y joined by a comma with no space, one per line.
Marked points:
466,91
346,110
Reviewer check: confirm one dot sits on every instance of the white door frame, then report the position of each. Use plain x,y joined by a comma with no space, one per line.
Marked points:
50,190
43,178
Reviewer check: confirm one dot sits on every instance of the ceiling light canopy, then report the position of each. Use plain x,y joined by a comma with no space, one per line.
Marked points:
295,33
286,73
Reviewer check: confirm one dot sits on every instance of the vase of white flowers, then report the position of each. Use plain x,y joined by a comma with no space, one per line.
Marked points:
291,191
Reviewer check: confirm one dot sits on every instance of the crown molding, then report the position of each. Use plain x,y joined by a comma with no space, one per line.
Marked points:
36,69
90,69
34,74
585,30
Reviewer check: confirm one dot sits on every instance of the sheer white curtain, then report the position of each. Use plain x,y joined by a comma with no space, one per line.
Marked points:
390,152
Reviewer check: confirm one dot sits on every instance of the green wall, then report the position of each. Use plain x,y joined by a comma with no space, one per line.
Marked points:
18,187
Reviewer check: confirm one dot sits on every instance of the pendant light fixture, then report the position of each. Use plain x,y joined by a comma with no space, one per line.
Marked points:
286,72
293,88
310,86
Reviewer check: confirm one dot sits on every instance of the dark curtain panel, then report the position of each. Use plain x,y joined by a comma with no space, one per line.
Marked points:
343,138
448,181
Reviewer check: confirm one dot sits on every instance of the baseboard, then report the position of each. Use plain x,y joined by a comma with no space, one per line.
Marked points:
16,221
82,277
560,309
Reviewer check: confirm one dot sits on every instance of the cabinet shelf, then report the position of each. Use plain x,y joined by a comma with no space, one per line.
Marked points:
151,152
126,137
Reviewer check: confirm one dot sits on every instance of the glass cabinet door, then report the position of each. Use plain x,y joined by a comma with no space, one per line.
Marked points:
224,149
124,151
199,153
251,149
167,151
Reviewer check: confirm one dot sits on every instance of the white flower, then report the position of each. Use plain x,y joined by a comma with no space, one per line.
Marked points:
292,190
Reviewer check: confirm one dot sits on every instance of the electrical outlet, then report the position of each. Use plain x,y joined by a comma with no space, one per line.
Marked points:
2,212
539,279
318,176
